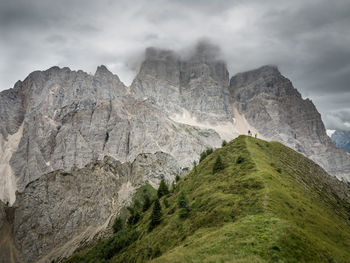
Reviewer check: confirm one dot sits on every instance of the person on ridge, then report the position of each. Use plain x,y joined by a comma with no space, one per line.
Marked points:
256,134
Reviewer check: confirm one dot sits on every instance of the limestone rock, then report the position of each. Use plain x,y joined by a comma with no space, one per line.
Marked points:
70,118
192,90
276,109
63,210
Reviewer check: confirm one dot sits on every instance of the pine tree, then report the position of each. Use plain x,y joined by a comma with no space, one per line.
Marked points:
166,203
218,165
202,156
183,205
182,200
163,189
118,225
134,218
146,203
156,216
224,143
195,167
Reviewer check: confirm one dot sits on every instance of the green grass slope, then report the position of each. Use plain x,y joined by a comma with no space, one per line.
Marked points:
267,203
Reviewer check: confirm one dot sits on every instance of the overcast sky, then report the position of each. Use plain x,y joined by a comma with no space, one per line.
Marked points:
309,40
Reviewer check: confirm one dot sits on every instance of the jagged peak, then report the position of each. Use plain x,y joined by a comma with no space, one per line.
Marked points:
103,72
102,69
265,71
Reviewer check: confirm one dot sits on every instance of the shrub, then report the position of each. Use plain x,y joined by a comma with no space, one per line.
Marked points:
239,159
117,225
177,178
218,165
156,252
163,189
115,244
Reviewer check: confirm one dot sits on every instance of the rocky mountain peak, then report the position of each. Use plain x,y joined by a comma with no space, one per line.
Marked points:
264,72
102,71
266,79
194,85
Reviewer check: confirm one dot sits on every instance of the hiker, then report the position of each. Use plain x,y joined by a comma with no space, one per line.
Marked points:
256,134
249,133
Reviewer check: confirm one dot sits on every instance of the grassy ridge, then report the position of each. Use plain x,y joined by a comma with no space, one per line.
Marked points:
268,204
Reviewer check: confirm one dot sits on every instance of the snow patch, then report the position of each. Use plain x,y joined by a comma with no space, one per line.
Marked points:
7,178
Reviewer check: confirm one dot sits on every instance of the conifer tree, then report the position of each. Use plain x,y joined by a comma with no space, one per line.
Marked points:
156,216
146,203
183,205
163,189
218,165
195,167
118,225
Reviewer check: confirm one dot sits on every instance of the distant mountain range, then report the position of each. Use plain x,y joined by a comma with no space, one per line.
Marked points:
342,139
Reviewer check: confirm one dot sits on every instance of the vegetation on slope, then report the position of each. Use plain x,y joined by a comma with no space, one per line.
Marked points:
250,201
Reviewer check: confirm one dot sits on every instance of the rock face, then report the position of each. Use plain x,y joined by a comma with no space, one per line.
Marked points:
342,139
69,118
64,210
192,90
270,103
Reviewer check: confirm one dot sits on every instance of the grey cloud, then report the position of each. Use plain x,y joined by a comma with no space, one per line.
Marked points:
308,40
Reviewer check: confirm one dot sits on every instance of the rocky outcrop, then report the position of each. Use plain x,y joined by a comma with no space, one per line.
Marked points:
342,139
64,210
71,118
192,90
276,109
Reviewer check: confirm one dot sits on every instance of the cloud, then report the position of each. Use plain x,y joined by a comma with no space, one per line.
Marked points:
308,40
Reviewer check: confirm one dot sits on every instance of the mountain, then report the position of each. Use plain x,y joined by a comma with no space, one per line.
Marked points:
75,146
342,139
59,119
177,104
192,90
196,90
267,203
64,210
271,104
